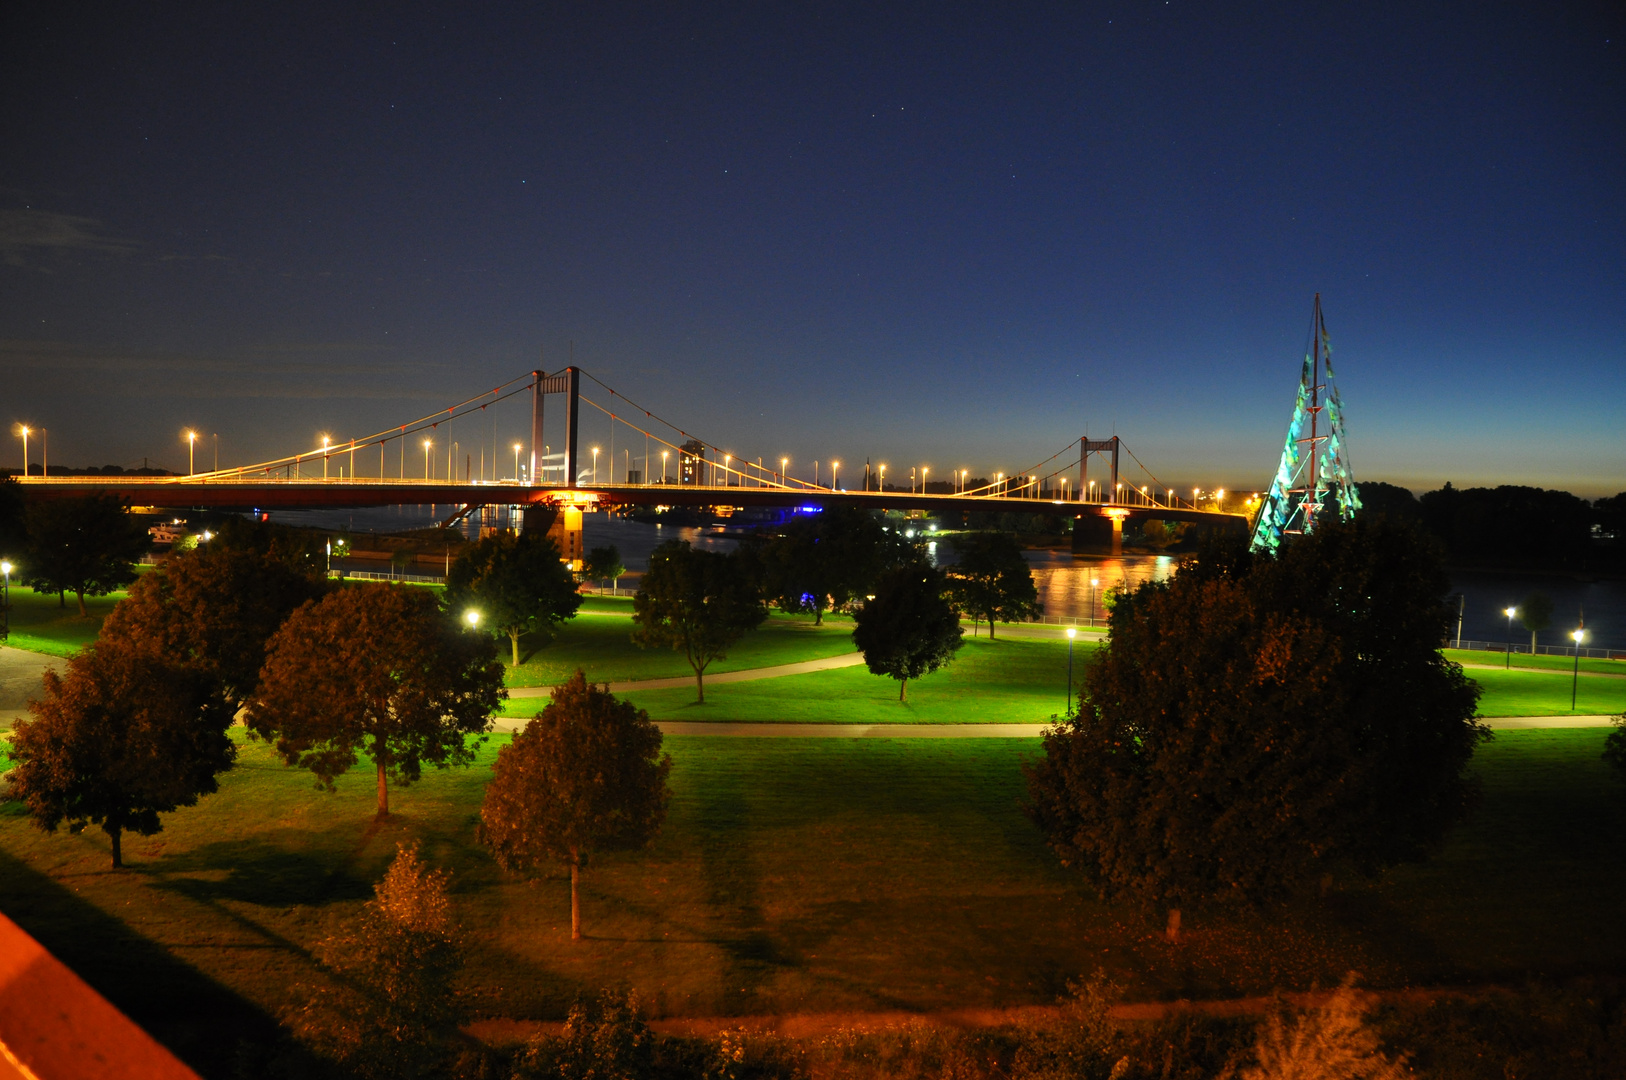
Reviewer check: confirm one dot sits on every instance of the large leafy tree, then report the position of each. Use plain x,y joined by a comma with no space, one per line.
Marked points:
1258,722
126,736
87,547
826,560
698,602
376,669
516,582
908,629
1536,615
587,775
992,581
214,608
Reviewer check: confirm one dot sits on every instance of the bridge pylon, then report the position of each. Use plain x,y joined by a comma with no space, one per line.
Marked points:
1315,461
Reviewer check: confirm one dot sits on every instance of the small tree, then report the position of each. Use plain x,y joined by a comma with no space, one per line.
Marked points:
396,1013
214,609
1536,614
517,583
701,602
379,669
586,775
604,564
84,546
125,737
993,581
810,564
908,629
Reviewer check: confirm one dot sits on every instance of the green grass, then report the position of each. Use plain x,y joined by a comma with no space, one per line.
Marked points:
40,624
1546,663
1003,681
599,641
802,875
1529,693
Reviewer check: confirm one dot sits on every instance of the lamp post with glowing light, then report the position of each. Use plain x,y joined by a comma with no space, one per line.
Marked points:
1094,581
472,617
1575,679
516,462
427,443
784,468
325,443
1072,633
835,469
1507,657
595,466
924,469
191,445
23,430
664,454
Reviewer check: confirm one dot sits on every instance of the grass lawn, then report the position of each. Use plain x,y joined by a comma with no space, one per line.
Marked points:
1529,693
1004,681
598,640
40,624
1549,663
799,875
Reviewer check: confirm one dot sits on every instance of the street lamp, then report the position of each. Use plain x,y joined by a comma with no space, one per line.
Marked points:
191,444
1094,581
427,443
595,466
881,484
472,617
23,429
1575,679
924,469
325,442
1507,657
664,454
784,467
835,467
727,480
516,462
1072,633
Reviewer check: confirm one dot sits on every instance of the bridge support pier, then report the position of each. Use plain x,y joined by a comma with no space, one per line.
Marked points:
562,525
1098,535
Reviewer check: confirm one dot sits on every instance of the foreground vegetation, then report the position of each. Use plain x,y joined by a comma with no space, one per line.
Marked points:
798,876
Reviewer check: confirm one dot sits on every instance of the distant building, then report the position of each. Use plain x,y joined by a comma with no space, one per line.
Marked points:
692,462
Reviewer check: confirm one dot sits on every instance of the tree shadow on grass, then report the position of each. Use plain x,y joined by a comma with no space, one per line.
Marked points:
201,1021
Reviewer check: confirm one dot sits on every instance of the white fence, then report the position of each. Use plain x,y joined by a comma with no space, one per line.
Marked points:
1541,650
374,575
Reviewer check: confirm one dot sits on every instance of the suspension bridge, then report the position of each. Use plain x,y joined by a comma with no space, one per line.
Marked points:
555,488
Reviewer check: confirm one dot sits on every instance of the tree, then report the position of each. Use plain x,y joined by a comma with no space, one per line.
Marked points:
13,520
125,737
1536,614
1614,747
380,669
84,546
827,559
604,564
214,609
701,602
396,1011
586,775
517,583
908,629
1259,721
993,581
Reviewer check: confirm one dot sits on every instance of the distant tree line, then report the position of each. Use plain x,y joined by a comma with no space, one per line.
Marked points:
1511,526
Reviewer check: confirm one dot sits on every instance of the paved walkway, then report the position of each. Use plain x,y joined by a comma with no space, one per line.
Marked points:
20,675
973,731
829,663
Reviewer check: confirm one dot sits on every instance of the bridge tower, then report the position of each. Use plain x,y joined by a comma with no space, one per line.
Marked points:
1315,462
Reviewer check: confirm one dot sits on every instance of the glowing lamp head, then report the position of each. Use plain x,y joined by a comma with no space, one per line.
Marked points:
1071,633
471,617
1094,582
1510,612
1578,635
207,536
5,567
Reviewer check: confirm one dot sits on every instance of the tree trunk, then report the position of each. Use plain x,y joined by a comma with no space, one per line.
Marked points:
383,793
116,833
818,615
62,602
513,638
990,627
700,686
82,612
575,898
903,687
1171,932
1532,643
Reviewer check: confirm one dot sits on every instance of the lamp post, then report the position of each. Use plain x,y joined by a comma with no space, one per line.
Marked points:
191,444
664,454
784,469
325,443
881,484
835,470
1507,657
924,469
1094,581
472,617
427,443
330,557
1575,678
595,466
1072,632
24,430
516,463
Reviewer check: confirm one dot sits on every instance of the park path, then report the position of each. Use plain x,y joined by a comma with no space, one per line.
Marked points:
21,674
804,667
755,730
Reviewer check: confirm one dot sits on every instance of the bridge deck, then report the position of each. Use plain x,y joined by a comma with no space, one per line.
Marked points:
308,494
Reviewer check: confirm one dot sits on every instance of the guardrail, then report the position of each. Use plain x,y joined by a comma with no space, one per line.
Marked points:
1540,650
376,575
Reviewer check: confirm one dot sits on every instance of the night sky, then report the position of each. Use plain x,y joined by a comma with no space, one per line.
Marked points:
953,235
